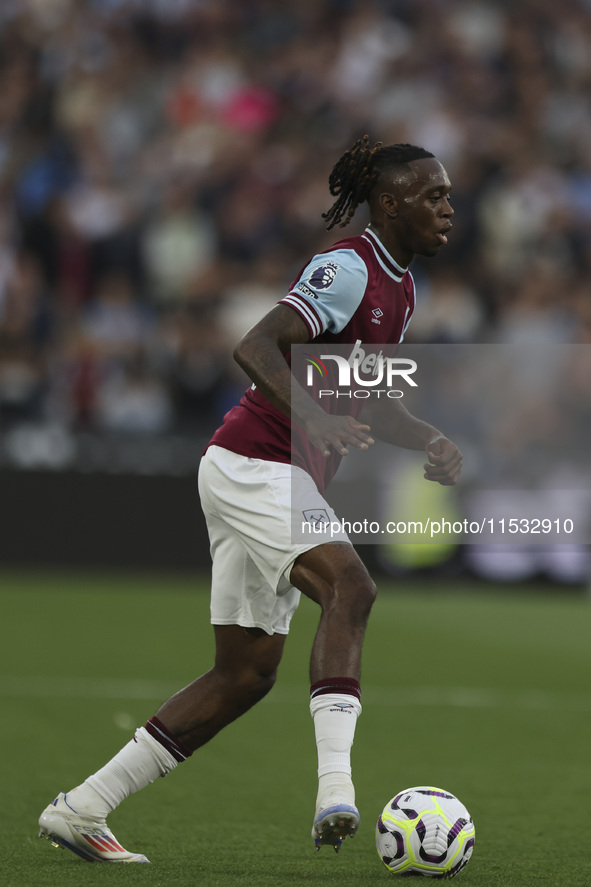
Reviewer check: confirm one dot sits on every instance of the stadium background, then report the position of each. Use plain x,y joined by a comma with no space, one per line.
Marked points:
163,167
163,170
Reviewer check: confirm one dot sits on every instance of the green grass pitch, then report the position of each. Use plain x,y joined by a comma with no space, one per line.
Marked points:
483,692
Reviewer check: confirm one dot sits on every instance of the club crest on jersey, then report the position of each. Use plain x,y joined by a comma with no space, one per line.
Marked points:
317,518
322,277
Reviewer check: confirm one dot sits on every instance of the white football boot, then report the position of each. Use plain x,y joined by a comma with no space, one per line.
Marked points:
333,824
88,838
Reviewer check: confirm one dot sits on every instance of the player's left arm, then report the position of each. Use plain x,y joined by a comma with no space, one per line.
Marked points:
393,424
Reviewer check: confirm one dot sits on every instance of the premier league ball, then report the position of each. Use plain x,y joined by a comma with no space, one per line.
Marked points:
425,831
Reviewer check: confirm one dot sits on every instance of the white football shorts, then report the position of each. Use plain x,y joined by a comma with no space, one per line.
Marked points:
250,507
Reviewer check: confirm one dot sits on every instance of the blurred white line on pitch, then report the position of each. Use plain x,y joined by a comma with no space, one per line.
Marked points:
42,686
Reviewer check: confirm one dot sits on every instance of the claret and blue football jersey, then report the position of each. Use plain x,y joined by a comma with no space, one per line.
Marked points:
353,293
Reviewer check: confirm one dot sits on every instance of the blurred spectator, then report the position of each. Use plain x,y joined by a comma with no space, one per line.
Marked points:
178,243
25,327
115,322
447,311
134,399
196,361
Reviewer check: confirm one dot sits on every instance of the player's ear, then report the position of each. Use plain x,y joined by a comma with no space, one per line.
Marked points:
389,205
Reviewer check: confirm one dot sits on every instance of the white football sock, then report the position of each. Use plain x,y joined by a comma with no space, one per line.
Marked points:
335,717
139,763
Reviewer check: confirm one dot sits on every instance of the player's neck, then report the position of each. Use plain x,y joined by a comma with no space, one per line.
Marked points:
401,257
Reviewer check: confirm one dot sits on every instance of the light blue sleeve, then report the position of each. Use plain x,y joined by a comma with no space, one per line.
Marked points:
332,285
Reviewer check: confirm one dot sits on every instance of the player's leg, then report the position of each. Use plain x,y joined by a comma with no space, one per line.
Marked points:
243,673
335,578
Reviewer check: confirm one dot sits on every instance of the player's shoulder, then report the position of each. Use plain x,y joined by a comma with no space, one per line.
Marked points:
338,268
350,256
369,249
352,249
329,288
354,246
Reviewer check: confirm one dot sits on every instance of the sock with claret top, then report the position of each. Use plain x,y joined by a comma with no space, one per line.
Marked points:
335,706
152,752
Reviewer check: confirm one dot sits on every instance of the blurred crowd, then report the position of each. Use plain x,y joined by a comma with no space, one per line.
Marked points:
164,166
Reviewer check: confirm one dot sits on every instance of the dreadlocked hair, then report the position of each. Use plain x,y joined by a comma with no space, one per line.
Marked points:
356,172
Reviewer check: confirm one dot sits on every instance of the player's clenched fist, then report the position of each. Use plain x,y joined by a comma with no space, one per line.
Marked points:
445,461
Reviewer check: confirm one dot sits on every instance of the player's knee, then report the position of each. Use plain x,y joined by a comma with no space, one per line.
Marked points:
266,682
336,580
258,685
363,595
256,681
354,595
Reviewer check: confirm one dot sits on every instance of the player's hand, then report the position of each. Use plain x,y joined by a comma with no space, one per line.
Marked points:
445,461
338,433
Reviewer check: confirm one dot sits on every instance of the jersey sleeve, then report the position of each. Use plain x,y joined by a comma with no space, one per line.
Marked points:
329,291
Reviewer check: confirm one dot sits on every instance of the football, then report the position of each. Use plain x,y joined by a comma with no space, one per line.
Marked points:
425,831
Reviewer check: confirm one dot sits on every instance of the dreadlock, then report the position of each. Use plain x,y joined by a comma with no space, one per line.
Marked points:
356,172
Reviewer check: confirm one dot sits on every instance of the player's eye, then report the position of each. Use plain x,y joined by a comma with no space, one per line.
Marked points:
435,198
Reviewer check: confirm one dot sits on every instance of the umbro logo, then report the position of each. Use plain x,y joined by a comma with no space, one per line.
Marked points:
377,313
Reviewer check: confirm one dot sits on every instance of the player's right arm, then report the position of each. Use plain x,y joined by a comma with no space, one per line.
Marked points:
261,352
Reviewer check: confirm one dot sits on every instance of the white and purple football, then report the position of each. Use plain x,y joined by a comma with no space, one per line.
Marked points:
425,831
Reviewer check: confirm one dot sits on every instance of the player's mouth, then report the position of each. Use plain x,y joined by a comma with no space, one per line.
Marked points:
442,235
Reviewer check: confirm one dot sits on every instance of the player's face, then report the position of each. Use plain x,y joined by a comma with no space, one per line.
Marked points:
423,209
